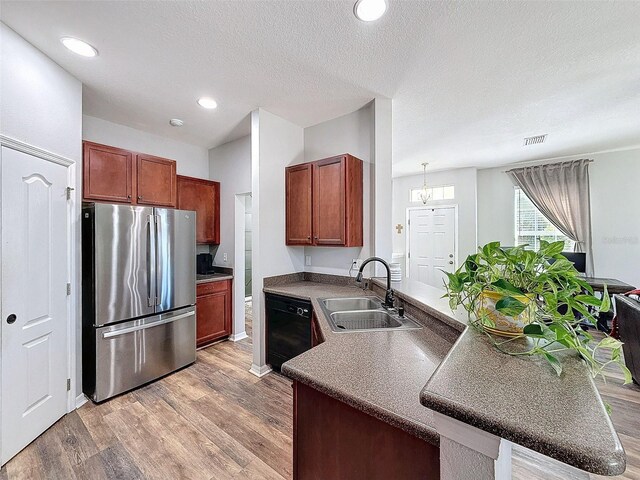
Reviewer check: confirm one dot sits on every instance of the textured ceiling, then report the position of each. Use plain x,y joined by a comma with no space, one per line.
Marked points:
468,79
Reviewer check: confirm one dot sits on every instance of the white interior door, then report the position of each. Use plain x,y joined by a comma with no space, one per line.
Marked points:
34,319
432,242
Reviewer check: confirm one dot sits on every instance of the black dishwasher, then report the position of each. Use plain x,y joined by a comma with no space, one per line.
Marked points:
288,328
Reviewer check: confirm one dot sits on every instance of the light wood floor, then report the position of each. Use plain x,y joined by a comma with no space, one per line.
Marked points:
214,420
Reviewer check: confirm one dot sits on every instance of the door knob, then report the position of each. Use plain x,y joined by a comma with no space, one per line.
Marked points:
11,318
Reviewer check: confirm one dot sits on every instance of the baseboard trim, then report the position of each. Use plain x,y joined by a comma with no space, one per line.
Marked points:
260,371
81,400
236,337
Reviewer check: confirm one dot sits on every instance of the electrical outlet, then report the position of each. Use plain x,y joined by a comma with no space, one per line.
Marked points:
307,260
356,262
225,258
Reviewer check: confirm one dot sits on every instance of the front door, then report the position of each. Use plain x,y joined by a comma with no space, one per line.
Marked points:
34,318
432,241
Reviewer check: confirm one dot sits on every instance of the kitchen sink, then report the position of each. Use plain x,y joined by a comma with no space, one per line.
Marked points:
363,314
350,304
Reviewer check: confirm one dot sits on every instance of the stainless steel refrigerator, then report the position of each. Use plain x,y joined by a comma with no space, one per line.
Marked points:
138,295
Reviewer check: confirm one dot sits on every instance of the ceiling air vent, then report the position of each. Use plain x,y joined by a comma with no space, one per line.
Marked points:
535,140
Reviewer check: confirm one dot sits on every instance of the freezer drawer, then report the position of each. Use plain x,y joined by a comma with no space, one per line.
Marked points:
133,353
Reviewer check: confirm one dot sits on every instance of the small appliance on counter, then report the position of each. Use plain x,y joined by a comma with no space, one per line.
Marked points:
204,264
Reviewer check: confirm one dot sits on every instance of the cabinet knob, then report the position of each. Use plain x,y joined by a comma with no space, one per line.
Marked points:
129,197
139,197
11,318
309,237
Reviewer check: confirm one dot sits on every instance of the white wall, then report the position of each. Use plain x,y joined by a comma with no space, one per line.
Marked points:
230,164
41,105
192,160
41,102
464,181
614,178
351,133
275,144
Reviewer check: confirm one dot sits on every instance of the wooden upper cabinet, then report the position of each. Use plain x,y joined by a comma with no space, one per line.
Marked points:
156,181
107,173
203,196
299,187
334,188
116,175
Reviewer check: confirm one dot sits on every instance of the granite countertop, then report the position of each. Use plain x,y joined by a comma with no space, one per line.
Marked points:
519,399
380,373
213,277
524,401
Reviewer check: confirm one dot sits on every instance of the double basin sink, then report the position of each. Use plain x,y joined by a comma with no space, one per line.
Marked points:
363,314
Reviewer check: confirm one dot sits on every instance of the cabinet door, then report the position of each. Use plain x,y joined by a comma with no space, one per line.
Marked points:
213,313
156,181
298,184
329,201
107,173
202,196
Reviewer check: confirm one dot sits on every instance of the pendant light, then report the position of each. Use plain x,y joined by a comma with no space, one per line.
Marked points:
425,194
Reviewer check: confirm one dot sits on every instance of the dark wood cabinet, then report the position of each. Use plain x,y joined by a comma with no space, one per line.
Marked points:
299,211
213,311
107,173
316,333
324,202
116,175
203,196
156,181
334,440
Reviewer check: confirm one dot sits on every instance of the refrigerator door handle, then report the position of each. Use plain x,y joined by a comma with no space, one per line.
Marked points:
157,228
151,261
148,325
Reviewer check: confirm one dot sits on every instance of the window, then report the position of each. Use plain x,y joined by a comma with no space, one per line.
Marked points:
532,226
442,192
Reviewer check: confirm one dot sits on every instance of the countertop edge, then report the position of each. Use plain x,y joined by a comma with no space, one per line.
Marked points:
594,463
214,279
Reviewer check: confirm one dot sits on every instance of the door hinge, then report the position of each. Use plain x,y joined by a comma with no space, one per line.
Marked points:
69,190
68,384
68,289
408,254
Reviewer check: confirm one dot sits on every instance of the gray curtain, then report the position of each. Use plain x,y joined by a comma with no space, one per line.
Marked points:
561,193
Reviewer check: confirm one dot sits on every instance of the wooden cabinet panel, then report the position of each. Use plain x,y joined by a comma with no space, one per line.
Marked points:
213,311
316,333
333,189
337,441
298,180
156,181
107,173
329,202
203,196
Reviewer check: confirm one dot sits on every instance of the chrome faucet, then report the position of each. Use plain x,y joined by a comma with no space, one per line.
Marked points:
389,298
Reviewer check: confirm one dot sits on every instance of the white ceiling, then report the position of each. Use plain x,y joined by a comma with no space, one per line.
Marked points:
468,79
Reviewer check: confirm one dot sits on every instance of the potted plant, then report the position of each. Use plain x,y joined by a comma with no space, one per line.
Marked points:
538,295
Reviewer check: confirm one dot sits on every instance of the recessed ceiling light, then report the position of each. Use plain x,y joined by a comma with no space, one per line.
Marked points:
369,10
79,47
207,102
176,122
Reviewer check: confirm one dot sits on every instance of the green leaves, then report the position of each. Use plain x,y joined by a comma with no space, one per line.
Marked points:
558,297
510,306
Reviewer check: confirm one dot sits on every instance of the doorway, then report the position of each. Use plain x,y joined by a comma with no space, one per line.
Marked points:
35,333
432,241
242,268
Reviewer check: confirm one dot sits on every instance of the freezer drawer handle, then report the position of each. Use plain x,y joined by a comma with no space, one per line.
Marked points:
148,325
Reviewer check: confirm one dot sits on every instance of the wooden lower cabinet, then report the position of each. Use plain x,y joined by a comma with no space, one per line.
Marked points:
316,333
213,311
334,440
